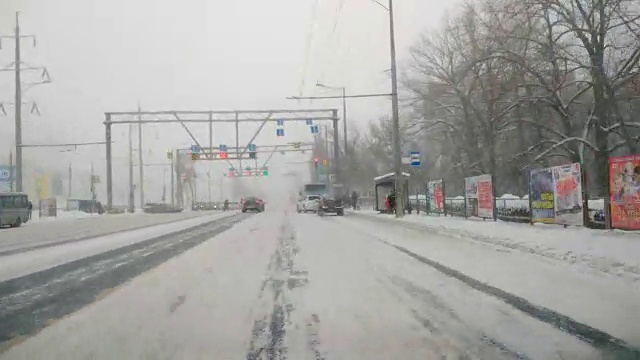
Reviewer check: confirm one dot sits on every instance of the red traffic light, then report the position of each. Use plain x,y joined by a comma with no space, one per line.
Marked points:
315,160
223,155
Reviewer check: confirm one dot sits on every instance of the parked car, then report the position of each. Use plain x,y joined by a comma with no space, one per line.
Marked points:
330,205
252,203
308,203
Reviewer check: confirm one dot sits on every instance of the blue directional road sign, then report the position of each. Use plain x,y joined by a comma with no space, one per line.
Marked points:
415,158
195,148
223,148
252,147
279,132
314,129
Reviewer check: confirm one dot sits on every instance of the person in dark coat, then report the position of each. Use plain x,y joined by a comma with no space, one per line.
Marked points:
30,207
354,200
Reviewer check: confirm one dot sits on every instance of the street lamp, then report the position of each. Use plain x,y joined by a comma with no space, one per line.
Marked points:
344,110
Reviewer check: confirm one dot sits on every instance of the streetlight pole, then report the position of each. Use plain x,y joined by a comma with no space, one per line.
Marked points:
344,118
131,191
396,118
344,111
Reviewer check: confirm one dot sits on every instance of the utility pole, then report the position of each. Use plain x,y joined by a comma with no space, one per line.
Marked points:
70,180
336,148
210,132
344,118
173,191
195,189
18,108
326,139
238,140
140,157
344,107
209,184
164,185
93,189
18,99
132,206
12,173
396,119
107,136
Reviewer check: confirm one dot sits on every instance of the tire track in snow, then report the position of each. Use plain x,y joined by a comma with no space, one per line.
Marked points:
449,335
610,346
30,302
268,336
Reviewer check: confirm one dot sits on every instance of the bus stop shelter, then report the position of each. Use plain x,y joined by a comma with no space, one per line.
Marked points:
385,184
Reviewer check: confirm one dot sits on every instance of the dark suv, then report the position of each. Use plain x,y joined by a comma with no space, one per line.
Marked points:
252,203
330,205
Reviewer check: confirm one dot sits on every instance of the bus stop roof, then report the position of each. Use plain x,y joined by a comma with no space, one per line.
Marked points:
389,177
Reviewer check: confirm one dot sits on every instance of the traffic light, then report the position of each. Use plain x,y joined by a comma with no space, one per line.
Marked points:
223,151
223,155
231,173
252,155
325,162
265,172
195,156
248,173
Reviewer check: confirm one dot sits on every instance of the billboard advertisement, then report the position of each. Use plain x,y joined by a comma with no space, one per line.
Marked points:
567,184
479,194
555,194
624,188
541,195
435,190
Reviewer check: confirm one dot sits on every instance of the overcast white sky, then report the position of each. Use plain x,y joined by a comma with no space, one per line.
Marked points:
106,55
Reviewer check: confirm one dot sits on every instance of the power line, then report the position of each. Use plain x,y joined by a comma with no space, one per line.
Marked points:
309,40
332,39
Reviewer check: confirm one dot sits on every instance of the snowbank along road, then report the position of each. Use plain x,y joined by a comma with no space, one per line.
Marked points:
281,285
29,302
51,233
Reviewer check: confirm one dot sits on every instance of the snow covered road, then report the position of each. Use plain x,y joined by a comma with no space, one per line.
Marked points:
281,285
41,234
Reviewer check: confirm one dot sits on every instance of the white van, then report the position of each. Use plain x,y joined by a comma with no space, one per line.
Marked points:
308,203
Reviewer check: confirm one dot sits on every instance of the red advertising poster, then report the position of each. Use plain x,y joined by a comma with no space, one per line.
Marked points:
436,195
624,188
479,190
485,199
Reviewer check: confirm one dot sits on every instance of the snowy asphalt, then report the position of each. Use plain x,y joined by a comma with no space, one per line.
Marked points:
38,234
279,285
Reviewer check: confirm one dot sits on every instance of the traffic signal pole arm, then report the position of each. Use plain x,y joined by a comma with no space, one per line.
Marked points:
255,135
266,162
